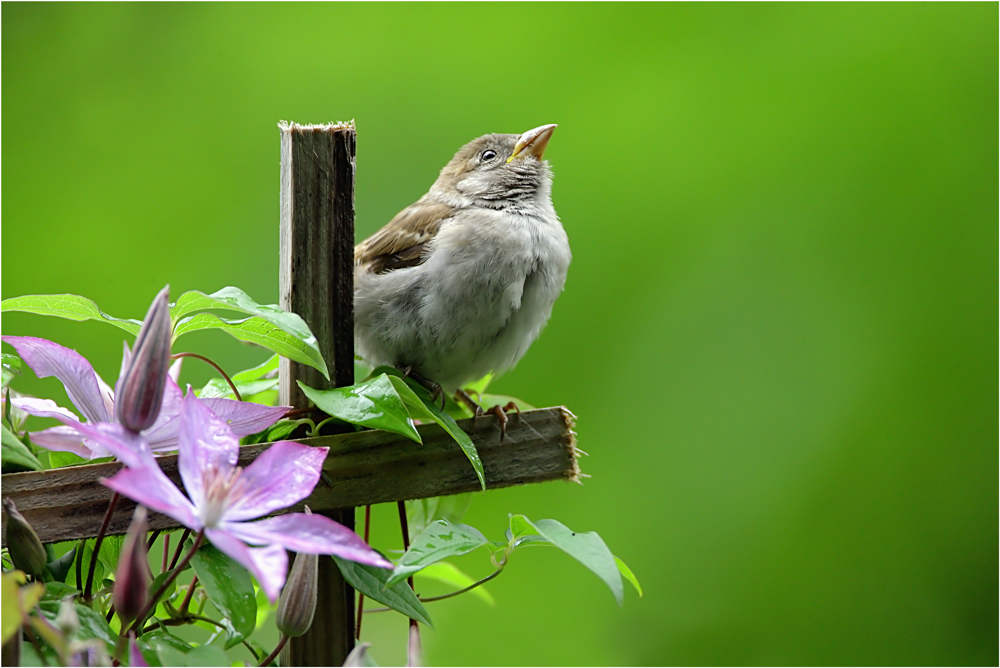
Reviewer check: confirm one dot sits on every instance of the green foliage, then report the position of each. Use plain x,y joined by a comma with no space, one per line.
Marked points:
373,403
16,455
71,307
440,540
373,583
231,589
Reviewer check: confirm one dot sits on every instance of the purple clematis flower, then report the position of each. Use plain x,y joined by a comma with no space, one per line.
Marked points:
222,497
95,401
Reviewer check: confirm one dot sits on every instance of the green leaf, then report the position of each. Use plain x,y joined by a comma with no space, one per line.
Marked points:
418,401
523,532
371,581
234,299
374,403
249,382
479,386
217,388
421,512
71,307
587,548
258,372
59,460
440,540
10,600
628,574
88,554
12,365
206,655
111,550
57,591
448,573
229,586
259,331
14,453
92,623
161,641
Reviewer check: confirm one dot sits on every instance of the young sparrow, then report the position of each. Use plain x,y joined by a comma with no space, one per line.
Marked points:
461,282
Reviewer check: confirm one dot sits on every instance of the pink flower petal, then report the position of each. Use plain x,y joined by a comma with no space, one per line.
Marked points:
43,408
268,564
245,417
149,486
206,445
310,534
66,439
114,440
77,375
283,474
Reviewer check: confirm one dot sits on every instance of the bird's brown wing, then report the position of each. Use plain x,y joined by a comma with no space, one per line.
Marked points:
401,243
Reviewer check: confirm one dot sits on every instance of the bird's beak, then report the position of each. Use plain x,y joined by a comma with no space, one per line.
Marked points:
533,142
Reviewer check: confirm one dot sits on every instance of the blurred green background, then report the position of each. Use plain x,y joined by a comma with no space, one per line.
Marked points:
778,332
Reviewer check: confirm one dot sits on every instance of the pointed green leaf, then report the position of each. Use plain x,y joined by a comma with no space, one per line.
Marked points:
374,403
440,540
71,307
421,406
628,574
587,548
14,453
234,299
92,623
230,588
11,367
263,333
371,582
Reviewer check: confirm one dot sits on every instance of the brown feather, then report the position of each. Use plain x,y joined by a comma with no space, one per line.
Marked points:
401,242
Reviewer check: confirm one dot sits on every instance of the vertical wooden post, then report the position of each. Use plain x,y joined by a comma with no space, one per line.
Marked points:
317,282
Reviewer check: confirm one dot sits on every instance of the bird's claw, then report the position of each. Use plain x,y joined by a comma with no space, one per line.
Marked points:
434,388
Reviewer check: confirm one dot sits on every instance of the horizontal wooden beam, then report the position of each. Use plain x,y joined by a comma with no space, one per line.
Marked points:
362,468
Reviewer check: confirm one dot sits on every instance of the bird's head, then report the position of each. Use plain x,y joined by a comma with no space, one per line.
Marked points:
499,171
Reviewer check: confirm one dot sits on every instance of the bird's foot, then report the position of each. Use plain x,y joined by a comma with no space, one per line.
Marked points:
499,411
432,387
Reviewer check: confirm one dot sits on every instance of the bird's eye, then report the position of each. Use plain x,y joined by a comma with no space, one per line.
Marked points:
488,154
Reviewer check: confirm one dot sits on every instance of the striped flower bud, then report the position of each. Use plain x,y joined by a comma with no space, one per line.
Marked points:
132,578
140,390
298,599
26,550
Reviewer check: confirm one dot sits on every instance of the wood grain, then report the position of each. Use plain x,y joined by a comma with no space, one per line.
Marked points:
363,467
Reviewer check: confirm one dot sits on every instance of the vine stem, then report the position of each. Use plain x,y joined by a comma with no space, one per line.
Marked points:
232,385
277,650
431,599
413,643
180,546
187,597
155,598
361,597
97,545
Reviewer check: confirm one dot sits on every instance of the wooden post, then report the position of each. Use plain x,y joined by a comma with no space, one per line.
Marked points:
317,282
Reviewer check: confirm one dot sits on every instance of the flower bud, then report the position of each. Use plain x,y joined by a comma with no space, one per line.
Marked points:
140,390
26,550
298,599
132,578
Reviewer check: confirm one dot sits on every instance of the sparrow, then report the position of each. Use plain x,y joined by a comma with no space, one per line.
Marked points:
460,283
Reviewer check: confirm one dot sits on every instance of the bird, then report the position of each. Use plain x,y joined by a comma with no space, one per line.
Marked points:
460,283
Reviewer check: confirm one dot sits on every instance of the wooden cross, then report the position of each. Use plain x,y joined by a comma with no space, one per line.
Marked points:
368,467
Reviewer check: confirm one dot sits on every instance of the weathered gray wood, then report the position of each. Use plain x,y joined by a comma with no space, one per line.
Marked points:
363,467
317,281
